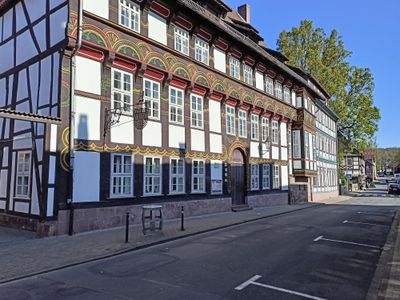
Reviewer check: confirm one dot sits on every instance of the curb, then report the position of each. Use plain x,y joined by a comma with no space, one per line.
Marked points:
386,254
160,242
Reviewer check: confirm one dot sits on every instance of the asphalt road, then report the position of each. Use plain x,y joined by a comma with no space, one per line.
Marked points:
327,252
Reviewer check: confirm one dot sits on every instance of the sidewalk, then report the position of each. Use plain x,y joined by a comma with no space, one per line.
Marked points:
24,257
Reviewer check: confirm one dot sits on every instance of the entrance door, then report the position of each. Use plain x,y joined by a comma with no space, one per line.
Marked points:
238,178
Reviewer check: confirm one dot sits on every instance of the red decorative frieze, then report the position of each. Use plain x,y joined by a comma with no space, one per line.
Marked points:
280,79
178,83
235,52
205,35
91,54
154,75
296,88
288,83
244,106
199,90
249,61
276,117
271,73
221,44
182,22
216,96
160,9
256,111
285,120
124,65
267,114
261,68
231,101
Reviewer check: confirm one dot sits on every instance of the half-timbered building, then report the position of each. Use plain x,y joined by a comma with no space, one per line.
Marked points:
230,125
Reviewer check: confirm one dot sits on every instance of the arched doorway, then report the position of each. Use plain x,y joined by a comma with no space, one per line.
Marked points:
238,177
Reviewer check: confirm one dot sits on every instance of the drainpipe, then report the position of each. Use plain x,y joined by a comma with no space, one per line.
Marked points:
72,118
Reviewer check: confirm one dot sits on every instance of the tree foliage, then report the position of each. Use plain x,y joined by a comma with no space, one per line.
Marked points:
351,88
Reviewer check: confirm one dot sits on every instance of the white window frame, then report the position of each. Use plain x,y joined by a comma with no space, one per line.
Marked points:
176,175
181,40
196,111
264,129
277,180
230,116
306,145
242,123
286,94
234,67
23,172
199,176
152,99
255,127
269,85
266,176
202,51
275,132
122,175
255,177
153,175
296,144
133,18
124,91
247,74
278,90
176,109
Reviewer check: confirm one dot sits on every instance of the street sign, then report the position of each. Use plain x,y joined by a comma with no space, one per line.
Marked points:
349,176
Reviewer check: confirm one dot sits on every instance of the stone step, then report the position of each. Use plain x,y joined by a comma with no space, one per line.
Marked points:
242,207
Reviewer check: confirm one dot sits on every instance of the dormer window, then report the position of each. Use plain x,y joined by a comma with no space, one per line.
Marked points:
181,40
234,67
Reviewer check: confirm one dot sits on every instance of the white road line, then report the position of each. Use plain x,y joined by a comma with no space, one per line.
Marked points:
363,223
371,213
253,279
321,238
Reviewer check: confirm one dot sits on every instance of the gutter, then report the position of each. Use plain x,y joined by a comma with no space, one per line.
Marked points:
70,200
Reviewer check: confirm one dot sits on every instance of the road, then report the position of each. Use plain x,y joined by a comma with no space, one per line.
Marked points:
326,252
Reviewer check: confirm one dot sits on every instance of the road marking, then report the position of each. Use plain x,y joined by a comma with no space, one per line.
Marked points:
253,279
321,238
363,223
371,213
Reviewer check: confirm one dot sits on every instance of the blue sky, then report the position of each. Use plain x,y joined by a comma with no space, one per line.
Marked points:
370,29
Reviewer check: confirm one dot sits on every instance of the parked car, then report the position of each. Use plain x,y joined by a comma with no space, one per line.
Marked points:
394,188
391,180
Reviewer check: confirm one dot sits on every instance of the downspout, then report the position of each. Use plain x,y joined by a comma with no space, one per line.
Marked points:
72,118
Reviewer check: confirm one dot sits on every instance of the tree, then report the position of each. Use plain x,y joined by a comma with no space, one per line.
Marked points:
351,88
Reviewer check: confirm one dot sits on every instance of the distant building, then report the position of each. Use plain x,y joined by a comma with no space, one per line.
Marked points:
354,170
370,165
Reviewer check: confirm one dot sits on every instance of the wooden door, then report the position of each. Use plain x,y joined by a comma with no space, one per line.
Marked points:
238,178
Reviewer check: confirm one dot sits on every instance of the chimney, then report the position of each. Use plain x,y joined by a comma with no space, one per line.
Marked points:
244,12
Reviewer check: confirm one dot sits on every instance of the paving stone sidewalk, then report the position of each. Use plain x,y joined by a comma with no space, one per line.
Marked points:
22,257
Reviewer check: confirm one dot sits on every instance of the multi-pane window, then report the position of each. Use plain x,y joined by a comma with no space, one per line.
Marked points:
129,14
306,145
196,111
176,105
290,142
234,67
264,129
275,132
198,176
152,175
286,94
255,127
23,174
121,175
202,50
269,85
266,176
177,175
152,97
276,183
121,90
248,74
181,40
230,120
278,90
296,144
254,172
242,123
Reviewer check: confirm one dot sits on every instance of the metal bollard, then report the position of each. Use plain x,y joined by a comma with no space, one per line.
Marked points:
127,228
182,218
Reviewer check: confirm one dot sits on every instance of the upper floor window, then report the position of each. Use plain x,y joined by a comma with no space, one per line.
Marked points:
177,175
152,175
129,14
269,85
296,144
230,120
121,91
290,142
275,132
202,51
23,174
181,40
254,169
152,97
234,67
198,176
175,105
242,123
286,94
254,127
278,90
248,74
264,129
306,145
196,111
121,175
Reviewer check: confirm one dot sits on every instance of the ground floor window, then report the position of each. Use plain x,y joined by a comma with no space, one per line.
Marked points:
121,175
266,178
23,174
177,175
254,172
276,183
198,176
152,175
